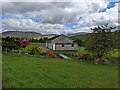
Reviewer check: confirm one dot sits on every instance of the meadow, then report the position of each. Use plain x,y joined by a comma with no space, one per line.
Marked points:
26,71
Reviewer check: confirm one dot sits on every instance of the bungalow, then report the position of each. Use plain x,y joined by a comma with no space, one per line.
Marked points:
61,43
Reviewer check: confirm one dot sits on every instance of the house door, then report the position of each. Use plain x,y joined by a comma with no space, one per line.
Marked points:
53,46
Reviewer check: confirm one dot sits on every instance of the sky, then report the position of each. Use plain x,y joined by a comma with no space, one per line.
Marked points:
51,17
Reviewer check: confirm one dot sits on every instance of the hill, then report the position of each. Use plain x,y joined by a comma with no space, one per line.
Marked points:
35,35
82,37
114,35
21,34
76,34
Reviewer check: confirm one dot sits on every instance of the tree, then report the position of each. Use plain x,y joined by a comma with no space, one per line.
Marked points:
10,43
99,42
79,42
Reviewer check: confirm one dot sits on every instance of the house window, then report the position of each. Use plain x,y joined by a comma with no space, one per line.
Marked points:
72,45
62,45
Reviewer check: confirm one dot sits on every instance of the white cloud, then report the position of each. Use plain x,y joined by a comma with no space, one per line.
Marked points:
28,24
109,17
56,14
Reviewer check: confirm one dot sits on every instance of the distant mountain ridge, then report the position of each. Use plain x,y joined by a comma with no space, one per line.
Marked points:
114,35
75,34
21,34
35,35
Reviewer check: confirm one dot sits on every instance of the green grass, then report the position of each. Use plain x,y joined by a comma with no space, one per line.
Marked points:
20,71
82,50
36,44
115,53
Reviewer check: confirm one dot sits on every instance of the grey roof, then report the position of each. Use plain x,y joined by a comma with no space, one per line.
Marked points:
53,38
50,39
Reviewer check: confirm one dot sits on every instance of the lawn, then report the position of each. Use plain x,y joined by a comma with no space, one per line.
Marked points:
23,71
37,44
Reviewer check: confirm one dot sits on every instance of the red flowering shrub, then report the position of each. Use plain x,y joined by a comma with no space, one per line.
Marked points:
52,55
24,43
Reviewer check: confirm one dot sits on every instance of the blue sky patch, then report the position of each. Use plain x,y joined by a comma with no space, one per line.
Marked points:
110,5
38,19
70,25
2,17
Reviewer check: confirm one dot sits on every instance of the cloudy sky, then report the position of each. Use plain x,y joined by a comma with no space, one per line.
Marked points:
52,17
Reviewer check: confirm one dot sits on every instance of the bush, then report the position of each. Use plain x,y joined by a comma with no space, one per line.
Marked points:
52,55
89,57
36,50
79,42
24,43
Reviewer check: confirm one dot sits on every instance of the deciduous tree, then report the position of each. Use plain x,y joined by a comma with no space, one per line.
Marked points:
100,41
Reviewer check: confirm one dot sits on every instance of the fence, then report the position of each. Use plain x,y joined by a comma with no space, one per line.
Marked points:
7,51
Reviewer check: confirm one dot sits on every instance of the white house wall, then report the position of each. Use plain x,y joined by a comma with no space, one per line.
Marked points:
49,45
67,47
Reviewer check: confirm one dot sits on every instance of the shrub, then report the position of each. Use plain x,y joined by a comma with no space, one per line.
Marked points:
79,42
89,57
36,50
52,55
24,43
42,51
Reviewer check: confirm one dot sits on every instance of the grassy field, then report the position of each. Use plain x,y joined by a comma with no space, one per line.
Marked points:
20,71
36,44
